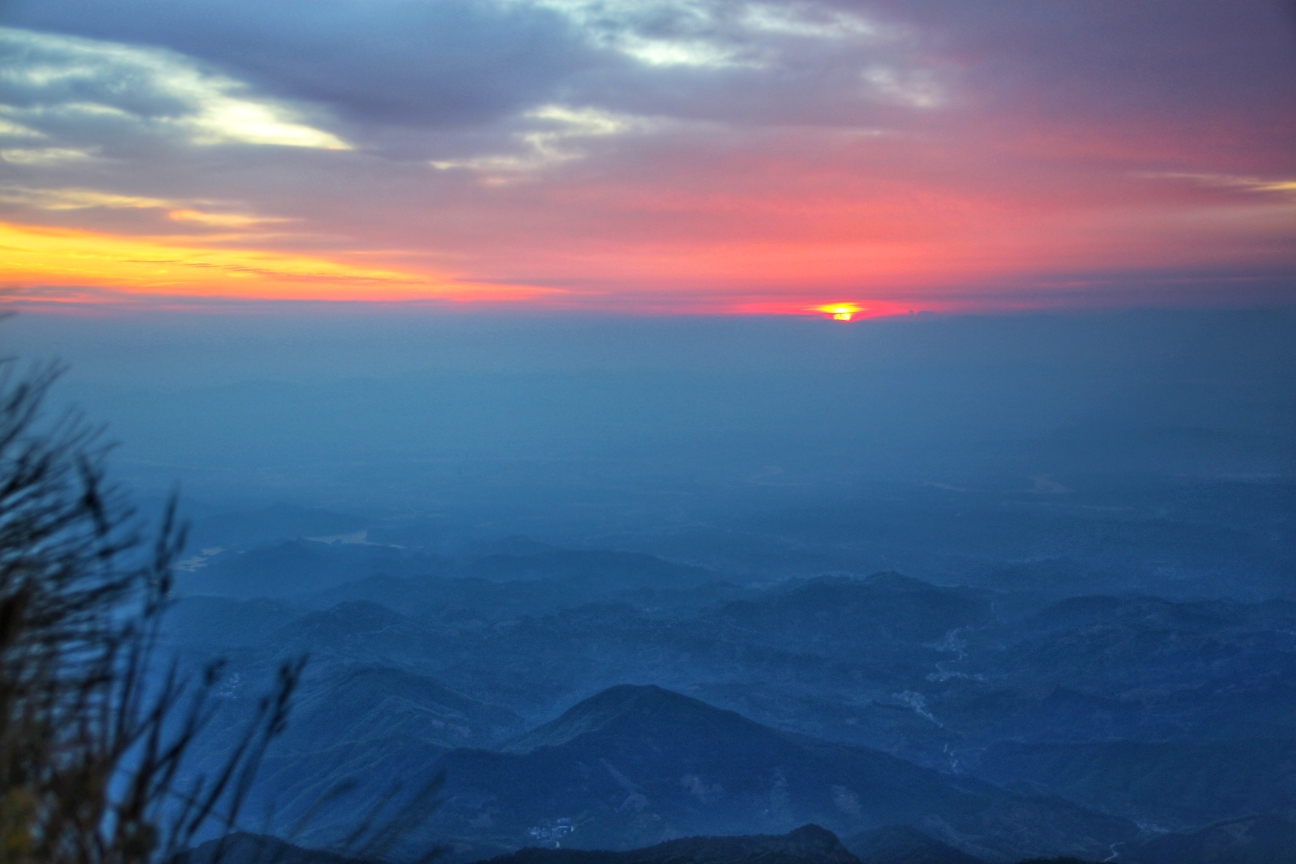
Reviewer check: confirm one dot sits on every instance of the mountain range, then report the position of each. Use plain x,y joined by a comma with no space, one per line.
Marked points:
638,765
611,701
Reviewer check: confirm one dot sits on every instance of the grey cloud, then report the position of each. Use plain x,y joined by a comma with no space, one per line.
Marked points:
418,64
90,93
1105,59
454,63
455,79
437,64
43,72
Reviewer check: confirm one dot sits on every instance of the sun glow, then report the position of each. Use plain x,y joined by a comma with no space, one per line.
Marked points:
841,311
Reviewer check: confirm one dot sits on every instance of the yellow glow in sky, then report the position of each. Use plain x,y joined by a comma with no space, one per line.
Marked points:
33,256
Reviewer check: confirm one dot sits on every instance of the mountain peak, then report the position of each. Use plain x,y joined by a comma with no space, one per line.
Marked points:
813,836
642,703
893,581
628,694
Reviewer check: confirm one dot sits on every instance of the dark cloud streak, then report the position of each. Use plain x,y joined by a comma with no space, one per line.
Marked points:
456,63
439,64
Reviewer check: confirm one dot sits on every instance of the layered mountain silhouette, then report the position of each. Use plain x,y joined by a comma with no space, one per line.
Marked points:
883,607
808,844
1264,839
377,703
638,765
356,736
1176,714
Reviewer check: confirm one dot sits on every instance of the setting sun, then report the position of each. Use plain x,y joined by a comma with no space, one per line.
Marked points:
840,311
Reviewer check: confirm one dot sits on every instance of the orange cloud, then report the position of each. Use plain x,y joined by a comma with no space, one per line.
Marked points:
36,256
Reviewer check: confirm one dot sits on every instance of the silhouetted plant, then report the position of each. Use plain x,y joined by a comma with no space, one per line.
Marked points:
92,738
93,735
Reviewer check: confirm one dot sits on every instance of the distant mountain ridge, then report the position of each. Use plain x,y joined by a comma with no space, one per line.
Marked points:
808,844
636,765
376,703
1266,839
839,608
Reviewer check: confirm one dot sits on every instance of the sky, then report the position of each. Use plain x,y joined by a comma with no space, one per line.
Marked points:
649,157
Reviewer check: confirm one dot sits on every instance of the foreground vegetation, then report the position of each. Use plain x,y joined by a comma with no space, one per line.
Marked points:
93,732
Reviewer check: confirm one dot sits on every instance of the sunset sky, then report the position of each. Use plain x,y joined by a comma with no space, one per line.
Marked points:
650,156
